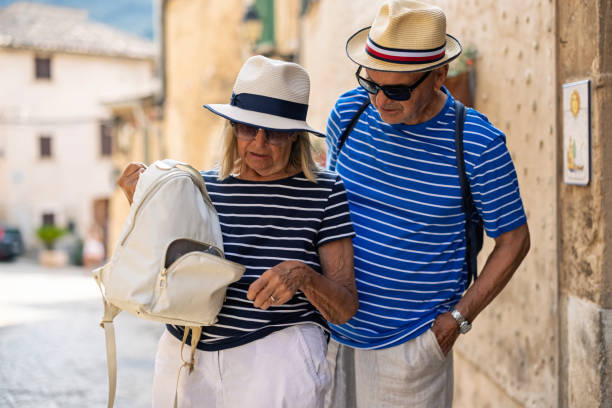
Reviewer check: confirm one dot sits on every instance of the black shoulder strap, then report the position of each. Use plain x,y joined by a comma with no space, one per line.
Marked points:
351,125
473,226
465,186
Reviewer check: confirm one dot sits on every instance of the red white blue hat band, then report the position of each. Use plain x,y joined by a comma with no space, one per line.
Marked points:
404,56
405,36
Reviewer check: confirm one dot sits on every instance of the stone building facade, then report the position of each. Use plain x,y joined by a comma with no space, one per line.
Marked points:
58,68
203,54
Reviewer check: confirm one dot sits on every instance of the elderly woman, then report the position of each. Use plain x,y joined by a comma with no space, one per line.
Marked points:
288,223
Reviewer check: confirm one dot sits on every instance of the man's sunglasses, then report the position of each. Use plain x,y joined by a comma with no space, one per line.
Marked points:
248,133
395,92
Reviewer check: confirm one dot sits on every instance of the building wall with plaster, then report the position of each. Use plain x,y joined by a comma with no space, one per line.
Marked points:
510,358
69,108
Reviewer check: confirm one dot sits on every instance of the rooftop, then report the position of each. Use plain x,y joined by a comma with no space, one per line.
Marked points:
62,29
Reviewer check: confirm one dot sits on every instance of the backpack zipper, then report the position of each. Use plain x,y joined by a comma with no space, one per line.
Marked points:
163,283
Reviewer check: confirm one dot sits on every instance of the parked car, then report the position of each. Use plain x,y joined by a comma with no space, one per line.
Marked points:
11,244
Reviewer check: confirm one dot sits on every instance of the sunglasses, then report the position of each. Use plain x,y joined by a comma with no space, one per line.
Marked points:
395,92
248,133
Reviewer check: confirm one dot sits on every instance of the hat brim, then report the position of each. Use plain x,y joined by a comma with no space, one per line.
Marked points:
262,120
356,51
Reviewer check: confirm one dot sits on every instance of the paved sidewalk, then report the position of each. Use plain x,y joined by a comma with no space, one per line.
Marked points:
52,351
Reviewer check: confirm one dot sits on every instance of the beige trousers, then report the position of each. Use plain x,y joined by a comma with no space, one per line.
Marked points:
414,374
286,369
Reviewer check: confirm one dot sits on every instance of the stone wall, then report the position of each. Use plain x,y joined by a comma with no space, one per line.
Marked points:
510,359
585,52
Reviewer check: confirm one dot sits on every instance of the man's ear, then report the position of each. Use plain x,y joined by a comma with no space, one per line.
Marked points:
440,75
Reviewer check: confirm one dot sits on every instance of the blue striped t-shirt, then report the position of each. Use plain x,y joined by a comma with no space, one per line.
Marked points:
263,224
403,190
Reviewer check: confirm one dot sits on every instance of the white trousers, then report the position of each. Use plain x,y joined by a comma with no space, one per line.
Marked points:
287,368
415,374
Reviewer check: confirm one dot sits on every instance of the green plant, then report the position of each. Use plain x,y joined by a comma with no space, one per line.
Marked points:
464,62
49,234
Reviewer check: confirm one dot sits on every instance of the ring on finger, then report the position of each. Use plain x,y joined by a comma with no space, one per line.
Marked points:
273,299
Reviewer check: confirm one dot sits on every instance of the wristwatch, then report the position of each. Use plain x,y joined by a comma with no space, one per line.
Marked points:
464,325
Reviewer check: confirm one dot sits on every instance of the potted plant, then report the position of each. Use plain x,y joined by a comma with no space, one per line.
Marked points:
461,76
50,256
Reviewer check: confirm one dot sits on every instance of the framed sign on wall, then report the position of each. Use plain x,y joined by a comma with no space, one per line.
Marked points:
577,132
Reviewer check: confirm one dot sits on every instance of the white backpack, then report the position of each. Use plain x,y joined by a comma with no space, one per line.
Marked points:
168,264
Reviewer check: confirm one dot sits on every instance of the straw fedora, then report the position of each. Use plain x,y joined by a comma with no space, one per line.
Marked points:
406,36
269,94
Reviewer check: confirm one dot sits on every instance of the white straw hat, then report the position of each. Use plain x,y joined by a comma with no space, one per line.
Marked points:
270,94
406,36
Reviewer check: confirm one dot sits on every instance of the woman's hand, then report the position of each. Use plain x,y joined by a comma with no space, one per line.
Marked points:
277,285
333,293
128,179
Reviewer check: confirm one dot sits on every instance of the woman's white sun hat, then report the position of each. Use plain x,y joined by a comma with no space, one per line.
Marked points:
269,94
406,36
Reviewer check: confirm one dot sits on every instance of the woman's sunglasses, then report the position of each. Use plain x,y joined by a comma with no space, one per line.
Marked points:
248,133
395,92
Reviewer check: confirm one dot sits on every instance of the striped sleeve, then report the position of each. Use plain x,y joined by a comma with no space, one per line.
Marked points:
331,139
336,222
495,189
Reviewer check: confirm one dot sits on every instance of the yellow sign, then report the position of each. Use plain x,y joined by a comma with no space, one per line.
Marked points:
575,103
576,133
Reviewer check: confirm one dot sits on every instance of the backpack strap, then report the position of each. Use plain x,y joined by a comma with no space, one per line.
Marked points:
473,230
110,312
351,125
196,332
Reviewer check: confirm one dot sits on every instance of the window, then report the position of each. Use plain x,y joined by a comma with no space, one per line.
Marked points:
48,219
106,138
43,67
45,147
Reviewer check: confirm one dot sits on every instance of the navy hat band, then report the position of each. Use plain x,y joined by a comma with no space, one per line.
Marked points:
269,105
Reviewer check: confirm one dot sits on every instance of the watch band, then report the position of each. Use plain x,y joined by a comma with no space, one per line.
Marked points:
464,325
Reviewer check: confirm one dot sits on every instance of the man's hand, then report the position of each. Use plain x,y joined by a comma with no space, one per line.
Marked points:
446,330
510,249
129,178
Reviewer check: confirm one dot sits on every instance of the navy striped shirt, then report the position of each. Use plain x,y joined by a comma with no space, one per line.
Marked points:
263,224
403,190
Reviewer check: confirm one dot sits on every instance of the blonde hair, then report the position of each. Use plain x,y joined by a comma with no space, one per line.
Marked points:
299,158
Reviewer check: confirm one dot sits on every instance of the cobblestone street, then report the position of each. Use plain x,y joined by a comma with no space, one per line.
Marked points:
52,351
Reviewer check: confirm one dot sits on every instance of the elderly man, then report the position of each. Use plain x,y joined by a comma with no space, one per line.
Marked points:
401,173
